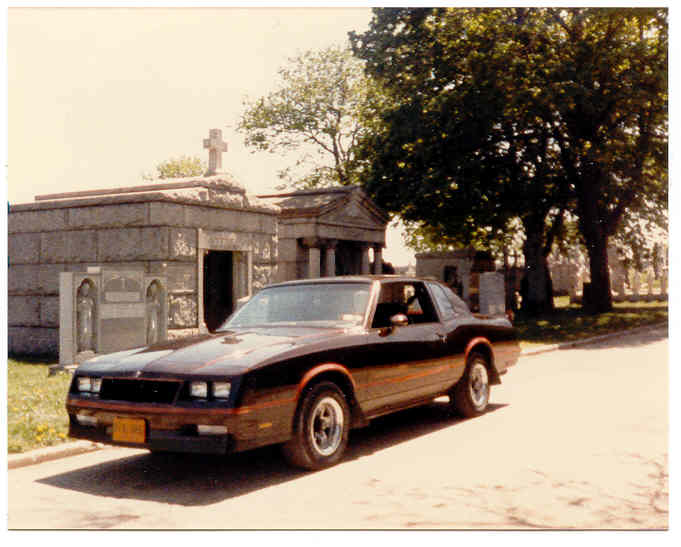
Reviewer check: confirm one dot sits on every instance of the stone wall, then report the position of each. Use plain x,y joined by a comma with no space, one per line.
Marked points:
157,234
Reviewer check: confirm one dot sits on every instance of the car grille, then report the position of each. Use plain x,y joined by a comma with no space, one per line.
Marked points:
139,390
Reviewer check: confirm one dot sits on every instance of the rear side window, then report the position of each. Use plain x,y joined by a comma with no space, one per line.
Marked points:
442,301
460,307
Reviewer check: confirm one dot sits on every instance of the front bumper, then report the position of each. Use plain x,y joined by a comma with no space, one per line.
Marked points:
157,440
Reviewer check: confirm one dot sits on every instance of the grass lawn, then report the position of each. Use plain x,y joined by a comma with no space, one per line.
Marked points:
36,416
568,323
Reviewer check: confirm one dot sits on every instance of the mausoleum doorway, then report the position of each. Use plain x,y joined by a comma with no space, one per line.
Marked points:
218,287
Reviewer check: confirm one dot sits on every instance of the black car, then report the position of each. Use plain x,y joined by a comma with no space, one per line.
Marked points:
301,364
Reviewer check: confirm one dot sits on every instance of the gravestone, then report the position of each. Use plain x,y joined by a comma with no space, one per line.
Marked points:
492,293
663,283
650,277
617,271
103,311
636,287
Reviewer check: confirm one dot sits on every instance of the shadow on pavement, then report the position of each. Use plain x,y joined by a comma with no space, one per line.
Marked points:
197,480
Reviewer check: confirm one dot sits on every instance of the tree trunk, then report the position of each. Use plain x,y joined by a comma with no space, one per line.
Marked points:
600,300
594,227
537,291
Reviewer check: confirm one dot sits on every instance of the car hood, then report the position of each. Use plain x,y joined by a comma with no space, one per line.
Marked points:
224,353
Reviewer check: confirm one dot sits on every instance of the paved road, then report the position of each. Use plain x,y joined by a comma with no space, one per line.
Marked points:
574,439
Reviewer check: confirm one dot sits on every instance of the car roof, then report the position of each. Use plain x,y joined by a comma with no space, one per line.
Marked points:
349,279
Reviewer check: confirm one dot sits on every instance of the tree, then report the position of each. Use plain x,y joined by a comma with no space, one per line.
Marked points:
183,166
527,113
315,113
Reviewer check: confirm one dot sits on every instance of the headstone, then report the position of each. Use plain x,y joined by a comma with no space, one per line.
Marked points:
663,283
651,282
492,293
107,311
636,286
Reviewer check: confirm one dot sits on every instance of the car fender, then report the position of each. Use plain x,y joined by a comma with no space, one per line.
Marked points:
332,372
478,343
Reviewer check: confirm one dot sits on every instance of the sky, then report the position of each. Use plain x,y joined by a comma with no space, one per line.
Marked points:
99,96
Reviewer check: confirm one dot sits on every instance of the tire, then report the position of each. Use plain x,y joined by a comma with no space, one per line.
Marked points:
470,396
320,430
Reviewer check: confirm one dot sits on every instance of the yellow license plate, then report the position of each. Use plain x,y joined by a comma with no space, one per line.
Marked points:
129,430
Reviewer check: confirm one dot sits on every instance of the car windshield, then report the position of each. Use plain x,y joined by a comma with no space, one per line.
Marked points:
313,304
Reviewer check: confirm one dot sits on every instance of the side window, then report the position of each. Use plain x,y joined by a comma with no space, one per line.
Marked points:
460,307
410,299
442,301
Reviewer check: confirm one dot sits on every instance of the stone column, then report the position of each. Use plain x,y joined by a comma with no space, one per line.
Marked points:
364,268
313,257
330,258
378,259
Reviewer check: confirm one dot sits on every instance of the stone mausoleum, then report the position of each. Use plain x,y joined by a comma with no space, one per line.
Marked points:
210,241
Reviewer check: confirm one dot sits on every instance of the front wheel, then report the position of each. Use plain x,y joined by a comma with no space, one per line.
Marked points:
471,393
320,432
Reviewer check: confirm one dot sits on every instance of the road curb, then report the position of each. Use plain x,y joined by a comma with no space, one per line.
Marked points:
585,341
51,453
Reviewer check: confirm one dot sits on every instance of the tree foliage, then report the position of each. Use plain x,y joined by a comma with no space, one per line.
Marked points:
315,114
514,112
183,166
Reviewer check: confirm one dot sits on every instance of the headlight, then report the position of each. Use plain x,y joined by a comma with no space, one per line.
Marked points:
221,390
84,383
96,385
198,390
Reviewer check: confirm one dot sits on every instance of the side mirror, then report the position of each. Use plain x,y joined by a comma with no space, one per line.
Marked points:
399,320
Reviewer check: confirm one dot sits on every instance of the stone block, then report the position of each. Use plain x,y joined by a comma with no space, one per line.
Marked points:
249,222
27,279
210,218
76,246
22,279
23,311
180,276
127,244
183,243
33,340
124,214
36,221
167,214
49,311
269,224
23,248
288,249
48,278
182,312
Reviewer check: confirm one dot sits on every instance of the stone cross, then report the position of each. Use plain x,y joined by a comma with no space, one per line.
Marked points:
216,146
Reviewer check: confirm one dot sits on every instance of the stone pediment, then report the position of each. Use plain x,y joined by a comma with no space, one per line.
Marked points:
355,211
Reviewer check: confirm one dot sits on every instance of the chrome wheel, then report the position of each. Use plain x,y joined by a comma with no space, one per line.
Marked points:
479,385
326,431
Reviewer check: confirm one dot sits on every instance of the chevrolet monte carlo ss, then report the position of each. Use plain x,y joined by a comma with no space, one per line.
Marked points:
300,364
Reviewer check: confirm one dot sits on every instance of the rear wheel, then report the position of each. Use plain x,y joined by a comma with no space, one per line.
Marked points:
320,432
470,395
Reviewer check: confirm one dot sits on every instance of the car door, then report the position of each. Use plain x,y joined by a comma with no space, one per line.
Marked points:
456,321
405,362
